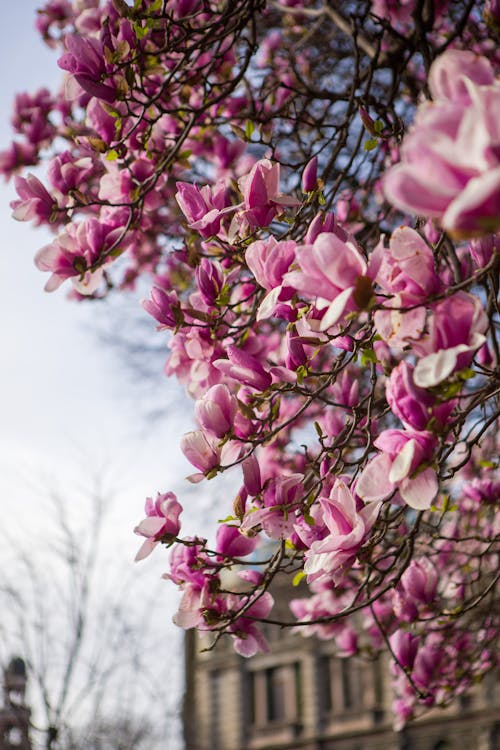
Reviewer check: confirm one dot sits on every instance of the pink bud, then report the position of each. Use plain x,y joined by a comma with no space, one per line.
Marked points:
215,412
244,368
231,543
310,175
321,223
251,475
405,646
164,307
210,280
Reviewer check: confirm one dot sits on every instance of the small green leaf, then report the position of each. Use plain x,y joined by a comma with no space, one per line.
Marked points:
249,129
226,519
487,464
112,155
140,31
466,374
378,126
370,144
298,577
368,356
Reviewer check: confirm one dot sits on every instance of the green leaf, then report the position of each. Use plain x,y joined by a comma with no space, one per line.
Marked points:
466,374
370,144
298,577
378,126
226,519
309,519
140,31
249,129
368,356
112,155
301,374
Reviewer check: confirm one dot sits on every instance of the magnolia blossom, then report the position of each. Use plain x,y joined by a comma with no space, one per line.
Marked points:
79,252
403,464
35,203
455,332
348,529
216,411
262,198
334,274
277,515
244,368
161,522
203,207
405,272
450,166
415,406
269,261
85,60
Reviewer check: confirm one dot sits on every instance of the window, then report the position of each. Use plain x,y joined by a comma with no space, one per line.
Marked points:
340,685
214,683
275,695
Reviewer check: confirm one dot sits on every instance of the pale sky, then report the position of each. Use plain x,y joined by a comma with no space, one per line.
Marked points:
67,404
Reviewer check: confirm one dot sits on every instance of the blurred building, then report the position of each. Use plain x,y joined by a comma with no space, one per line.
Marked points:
300,695
14,713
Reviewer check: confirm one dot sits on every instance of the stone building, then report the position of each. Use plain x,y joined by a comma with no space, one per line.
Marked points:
300,695
14,713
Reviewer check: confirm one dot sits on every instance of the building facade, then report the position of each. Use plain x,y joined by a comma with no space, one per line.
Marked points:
14,713
300,695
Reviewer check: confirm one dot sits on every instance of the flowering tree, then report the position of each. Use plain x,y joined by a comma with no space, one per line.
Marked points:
314,195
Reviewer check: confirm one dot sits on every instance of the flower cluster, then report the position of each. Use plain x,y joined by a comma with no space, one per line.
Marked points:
343,360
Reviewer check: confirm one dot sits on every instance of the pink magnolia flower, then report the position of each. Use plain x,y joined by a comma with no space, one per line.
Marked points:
79,252
35,203
269,261
204,207
230,542
450,73
161,523
216,410
281,498
66,174
334,274
86,62
413,405
200,451
348,528
420,581
403,464
407,266
248,639
455,331
210,280
406,272
16,156
244,368
450,167
163,307
262,198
